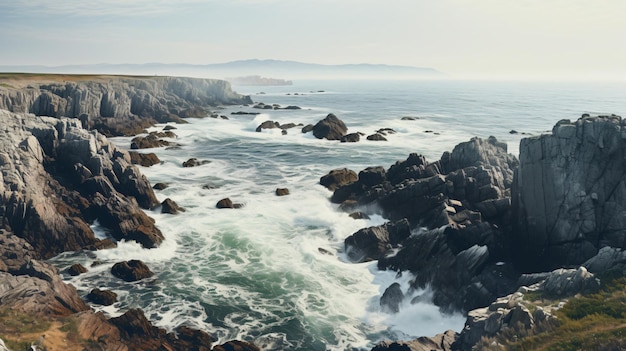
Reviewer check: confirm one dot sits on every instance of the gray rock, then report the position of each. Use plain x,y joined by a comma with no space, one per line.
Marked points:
569,191
569,282
122,105
373,243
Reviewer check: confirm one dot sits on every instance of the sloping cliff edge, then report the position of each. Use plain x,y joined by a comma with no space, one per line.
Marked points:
114,105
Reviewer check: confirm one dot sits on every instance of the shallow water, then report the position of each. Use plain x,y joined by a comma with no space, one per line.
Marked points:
257,273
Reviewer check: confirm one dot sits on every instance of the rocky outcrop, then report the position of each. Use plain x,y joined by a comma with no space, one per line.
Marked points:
227,203
57,178
102,297
131,271
439,342
331,128
459,210
116,105
569,192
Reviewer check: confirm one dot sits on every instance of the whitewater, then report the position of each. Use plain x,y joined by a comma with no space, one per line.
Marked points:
274,272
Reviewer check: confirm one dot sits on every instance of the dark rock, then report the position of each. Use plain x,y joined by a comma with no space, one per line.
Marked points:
131,271
160,186
288,125
282,191
193,340
351,138
307,128
373,243
392,298
409,118
513,131
169,127
236,345
171,207
338,178
76,269
331,128
385,131
268,125
292,107
227,203
149,141
376,137
102,297
359,215
144,159
193,162
244,113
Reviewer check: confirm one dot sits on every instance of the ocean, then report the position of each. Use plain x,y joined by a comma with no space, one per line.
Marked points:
273,272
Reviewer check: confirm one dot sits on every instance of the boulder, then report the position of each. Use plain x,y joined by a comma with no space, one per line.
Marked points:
338,178
376,137
282,192
392,298
373,243
351,138
76,269
268,125
131,271
102,297
160,186
169,206
331,128
144,159
152,140
236,345
193,162
227,203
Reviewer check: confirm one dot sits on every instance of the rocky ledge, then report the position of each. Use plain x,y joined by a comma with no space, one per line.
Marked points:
114,105
478,224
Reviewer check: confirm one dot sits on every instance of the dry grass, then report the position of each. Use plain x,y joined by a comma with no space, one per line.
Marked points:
23,80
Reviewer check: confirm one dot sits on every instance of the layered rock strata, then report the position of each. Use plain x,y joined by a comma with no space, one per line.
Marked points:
116,105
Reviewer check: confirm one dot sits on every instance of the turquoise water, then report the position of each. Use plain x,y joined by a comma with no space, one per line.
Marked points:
257,273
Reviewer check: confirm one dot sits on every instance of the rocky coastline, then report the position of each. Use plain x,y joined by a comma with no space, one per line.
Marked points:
488,233
58,175
483,229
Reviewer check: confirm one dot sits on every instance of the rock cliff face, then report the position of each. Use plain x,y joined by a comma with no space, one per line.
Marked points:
119,105
56,178
569,191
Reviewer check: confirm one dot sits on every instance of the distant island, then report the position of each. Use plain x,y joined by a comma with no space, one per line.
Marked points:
263,68
257,80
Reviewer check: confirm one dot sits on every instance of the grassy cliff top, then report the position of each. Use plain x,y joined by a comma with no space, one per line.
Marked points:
22,80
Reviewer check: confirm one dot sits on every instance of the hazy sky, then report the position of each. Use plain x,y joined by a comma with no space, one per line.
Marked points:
459,37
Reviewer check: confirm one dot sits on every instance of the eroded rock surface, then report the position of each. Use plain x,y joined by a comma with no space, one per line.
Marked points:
569,193
56,178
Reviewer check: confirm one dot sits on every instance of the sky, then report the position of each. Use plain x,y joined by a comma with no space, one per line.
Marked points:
462,38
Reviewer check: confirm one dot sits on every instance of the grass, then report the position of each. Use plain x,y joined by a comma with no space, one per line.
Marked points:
13,324
589,322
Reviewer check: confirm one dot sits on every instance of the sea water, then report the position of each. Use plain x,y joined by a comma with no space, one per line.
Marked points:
274,272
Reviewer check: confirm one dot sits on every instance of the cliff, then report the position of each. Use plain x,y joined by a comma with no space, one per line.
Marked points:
569,193
114,105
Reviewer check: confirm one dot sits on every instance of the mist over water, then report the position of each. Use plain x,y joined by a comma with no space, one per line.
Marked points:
258,273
